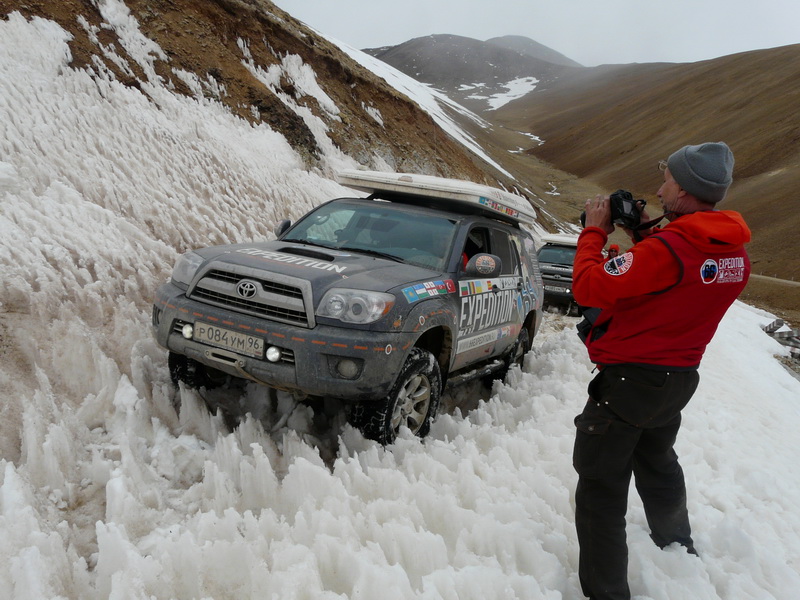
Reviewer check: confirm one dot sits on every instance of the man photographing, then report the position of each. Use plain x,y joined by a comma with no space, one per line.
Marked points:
661,303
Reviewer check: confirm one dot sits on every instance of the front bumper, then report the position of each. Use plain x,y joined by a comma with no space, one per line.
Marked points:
310,362
557,291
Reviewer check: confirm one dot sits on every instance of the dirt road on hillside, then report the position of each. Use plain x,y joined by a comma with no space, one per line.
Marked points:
776,280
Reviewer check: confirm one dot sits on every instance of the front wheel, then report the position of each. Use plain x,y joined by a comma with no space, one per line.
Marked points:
412,401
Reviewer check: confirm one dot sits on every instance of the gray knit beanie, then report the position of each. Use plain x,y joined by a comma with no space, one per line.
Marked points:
705,170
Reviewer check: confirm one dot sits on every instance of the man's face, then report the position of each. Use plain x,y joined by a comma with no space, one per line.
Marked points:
668,192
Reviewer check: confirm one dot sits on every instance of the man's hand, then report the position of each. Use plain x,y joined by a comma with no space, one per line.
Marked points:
598,213
643,233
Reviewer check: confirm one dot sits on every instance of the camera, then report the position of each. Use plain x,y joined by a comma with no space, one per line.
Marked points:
625,210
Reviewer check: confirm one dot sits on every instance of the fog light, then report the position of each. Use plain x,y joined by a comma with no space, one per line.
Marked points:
187,331
273,354
347,368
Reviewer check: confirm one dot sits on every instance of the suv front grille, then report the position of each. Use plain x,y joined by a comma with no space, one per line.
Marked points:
277,298
268,286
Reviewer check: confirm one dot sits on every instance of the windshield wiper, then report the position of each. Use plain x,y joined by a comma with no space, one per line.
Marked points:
309,243
371,252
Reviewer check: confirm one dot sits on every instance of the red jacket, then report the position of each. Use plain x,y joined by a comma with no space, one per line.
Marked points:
663,299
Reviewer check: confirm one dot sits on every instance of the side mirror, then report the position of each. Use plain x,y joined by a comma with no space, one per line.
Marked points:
484,266
281,227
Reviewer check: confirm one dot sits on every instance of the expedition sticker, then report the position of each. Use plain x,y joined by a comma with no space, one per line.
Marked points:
485,264
482,339
482,311
300,261
481,286
501,208
429,289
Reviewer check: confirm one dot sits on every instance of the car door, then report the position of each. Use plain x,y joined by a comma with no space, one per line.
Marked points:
489,315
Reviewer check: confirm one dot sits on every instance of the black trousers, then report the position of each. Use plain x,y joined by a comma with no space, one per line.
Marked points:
628,426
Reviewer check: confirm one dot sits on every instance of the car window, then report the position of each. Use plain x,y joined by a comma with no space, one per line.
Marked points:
557,255
416,237
477,242
503,248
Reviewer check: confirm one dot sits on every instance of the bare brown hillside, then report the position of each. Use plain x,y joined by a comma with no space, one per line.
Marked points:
612,124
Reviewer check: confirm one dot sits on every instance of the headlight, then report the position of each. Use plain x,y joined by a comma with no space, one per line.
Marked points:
355,306
185,268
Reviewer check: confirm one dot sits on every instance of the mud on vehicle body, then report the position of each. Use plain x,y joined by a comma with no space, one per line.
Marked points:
379,302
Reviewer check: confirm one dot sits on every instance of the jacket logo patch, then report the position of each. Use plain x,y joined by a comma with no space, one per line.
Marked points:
619,265
709,271
726,270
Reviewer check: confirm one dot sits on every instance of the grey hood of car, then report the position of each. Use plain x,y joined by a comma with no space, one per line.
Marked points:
324,268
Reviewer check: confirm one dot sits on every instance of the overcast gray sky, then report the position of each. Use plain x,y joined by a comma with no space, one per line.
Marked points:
590,32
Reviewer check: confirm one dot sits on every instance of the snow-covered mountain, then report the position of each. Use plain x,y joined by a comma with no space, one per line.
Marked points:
106,175
482,76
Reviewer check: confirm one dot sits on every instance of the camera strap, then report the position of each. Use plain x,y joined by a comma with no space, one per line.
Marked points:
652,223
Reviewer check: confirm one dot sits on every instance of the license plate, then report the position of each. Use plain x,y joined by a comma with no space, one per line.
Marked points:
241,343
553,288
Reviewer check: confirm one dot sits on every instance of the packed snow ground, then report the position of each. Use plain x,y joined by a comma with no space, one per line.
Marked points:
107,492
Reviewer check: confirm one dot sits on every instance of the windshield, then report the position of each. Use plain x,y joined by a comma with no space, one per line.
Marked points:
557,255
416,237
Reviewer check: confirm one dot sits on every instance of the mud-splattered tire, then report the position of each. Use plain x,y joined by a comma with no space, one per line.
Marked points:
412,402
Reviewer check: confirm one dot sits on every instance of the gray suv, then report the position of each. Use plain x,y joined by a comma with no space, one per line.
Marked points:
556,257
379,302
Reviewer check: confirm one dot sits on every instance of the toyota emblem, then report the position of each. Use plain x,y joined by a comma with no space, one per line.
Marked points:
246,288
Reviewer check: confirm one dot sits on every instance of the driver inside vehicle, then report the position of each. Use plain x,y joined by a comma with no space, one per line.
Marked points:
475,244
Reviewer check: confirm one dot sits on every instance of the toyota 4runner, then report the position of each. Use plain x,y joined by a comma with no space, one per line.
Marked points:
378,302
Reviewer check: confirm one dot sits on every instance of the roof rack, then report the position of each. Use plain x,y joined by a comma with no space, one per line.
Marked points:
464,196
